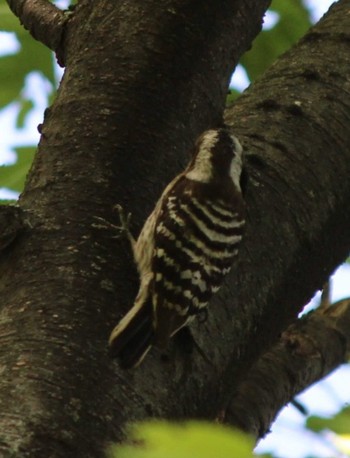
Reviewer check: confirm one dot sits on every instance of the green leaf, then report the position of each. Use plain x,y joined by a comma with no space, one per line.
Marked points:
7,202
9,22
13,176
340,423
26,107
293,24
231,96
32,56
186,440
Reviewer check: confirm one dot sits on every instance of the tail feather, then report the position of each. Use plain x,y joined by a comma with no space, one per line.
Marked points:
133,336
137,349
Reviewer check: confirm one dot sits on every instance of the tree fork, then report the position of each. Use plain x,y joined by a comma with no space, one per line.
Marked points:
140,85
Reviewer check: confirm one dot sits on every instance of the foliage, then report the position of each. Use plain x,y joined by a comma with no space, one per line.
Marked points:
13,176
186,440
32,56
340,423
271,43
335,430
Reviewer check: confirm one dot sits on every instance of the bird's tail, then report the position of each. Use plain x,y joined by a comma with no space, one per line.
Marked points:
133,336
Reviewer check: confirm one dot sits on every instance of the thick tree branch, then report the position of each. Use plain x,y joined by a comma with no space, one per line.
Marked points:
141,83
44,21
308,351
293,123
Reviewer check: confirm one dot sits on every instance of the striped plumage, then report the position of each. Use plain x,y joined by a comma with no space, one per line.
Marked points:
185,248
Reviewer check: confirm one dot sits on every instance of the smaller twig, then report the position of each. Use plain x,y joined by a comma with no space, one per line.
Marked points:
300,407
44,21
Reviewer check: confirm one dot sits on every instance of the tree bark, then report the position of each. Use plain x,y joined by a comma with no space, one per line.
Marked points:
308,350
44,21
294,125
140,84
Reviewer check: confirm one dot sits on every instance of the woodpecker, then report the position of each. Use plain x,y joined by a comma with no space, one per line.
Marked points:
186,247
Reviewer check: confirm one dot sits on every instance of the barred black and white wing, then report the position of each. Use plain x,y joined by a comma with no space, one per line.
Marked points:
196,240
185,248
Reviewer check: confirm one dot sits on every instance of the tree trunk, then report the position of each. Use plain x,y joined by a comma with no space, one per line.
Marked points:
141,82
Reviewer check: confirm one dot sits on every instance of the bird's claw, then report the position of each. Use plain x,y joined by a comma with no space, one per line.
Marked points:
124,219
122,229
102,223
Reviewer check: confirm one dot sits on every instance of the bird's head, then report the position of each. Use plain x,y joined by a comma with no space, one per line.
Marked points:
217,156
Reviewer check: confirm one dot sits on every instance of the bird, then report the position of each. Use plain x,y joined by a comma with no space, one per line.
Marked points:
185,248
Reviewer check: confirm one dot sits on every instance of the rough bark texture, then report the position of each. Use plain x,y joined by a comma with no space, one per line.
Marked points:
42,19
11,224
308,350
294,124
140,84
